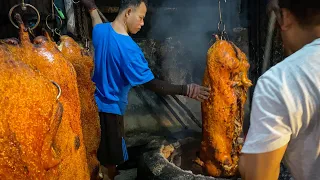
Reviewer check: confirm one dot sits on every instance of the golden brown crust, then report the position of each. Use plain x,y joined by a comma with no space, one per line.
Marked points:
222,113
67,143
83,64
28,104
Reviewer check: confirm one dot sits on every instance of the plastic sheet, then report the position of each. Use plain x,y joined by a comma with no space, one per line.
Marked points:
70,16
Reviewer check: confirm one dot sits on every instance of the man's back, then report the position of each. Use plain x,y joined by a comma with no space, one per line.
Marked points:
287,107
303,151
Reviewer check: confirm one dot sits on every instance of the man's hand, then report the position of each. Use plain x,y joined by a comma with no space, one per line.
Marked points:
92,8
89,4
198,92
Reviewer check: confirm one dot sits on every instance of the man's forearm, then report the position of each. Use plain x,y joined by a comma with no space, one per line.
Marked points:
264,166
165,88
95,17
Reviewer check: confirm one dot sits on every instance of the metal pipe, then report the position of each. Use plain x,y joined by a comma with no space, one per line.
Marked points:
104,19
190,114
172,111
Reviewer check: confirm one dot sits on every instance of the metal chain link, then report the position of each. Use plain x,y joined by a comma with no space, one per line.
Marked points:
85,36
82,23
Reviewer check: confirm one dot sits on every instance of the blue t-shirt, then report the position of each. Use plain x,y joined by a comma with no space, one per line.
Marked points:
119,65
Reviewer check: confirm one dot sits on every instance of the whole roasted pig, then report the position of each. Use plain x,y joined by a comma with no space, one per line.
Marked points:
43,56
82,61
222,113
29,120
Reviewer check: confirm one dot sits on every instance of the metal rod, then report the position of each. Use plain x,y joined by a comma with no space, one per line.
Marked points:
190,114
164,101
104,19
52,9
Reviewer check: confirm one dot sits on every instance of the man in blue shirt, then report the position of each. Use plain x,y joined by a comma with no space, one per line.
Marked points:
119,66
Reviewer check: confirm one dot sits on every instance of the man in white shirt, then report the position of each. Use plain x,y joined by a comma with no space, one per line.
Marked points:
285,116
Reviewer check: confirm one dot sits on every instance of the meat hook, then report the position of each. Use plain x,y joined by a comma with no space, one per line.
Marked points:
24,7
54,30
58,87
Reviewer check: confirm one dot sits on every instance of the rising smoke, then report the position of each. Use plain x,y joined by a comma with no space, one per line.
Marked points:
192,22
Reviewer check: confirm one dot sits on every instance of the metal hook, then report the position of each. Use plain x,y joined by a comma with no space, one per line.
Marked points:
59,89
24,7
87,44
220,16
52,29
57,31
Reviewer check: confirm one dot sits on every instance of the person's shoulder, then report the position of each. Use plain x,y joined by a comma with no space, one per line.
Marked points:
295,64
102,27
284,68
131,46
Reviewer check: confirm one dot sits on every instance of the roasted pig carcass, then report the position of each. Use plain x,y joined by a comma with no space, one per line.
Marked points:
45,57
222,113
29,119
82,61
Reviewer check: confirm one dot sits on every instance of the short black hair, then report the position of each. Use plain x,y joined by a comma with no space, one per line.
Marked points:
124,4
307,12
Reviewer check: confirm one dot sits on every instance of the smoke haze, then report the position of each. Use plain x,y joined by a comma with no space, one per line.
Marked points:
192,23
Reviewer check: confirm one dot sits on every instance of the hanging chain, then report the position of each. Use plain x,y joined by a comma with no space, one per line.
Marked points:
77,18
85,36
223,33
82,25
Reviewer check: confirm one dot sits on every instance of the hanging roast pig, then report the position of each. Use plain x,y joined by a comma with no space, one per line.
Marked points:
82,61
222,113
29,120
44,56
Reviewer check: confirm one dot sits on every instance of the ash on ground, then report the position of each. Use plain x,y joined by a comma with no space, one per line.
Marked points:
184,155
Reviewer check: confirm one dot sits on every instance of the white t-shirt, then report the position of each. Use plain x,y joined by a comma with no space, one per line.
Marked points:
286,109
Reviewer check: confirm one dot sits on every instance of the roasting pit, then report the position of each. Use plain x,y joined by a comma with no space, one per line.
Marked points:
172,161
180,164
